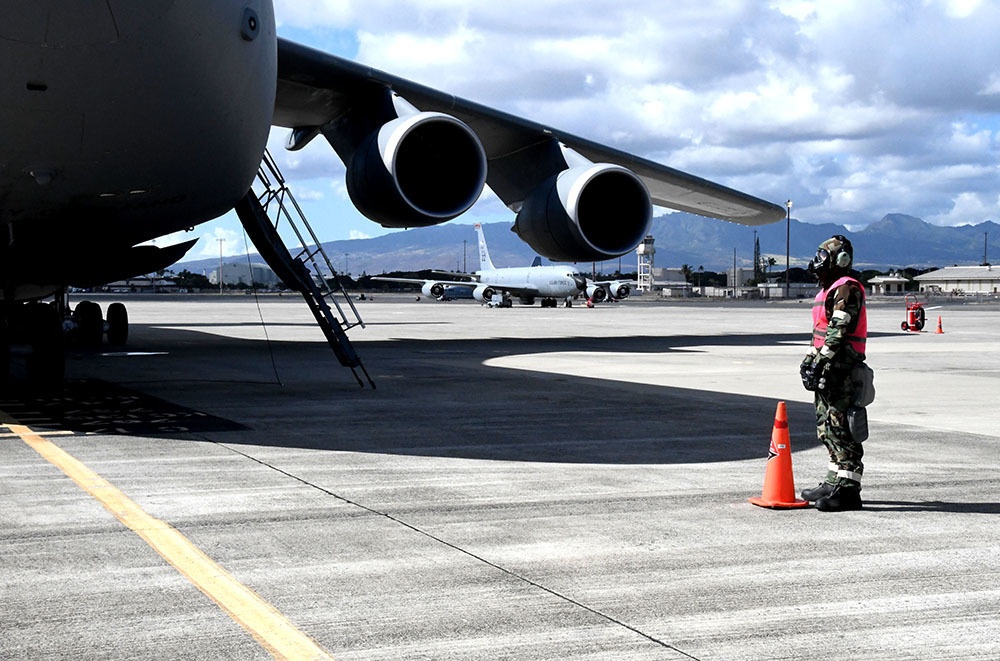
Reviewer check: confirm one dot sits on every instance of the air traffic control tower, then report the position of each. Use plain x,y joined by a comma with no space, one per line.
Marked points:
645,251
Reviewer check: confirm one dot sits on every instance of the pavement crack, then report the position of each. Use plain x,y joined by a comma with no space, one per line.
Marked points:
478,558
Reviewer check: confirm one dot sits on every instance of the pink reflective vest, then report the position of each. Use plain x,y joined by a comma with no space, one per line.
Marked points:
820,321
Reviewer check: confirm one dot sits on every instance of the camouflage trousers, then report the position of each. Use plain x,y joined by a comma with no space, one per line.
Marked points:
833,430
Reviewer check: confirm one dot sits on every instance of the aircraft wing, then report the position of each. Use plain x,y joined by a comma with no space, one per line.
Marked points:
344,101
416,281
438,287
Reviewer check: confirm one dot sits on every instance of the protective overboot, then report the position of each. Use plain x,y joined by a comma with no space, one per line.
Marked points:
841,499
812,495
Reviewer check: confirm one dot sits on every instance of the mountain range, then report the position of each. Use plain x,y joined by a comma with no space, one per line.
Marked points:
895,241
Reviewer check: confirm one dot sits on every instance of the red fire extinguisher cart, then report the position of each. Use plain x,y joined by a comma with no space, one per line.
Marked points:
916,316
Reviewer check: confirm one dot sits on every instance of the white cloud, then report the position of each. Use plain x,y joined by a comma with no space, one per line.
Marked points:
229,242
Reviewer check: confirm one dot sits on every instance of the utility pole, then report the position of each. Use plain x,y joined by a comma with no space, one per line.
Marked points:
735,278
756,258
221,241
788,233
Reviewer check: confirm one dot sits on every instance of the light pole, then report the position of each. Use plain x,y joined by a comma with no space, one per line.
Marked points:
221,241
788,232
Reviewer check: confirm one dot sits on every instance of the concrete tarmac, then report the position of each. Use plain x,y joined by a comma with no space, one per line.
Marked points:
523,484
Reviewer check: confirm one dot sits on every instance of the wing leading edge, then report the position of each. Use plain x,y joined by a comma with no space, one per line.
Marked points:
525,161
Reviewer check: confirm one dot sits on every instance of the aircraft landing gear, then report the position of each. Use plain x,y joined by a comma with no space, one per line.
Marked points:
89,327
34,337
117,325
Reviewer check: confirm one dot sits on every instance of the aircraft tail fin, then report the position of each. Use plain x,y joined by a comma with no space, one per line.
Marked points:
537,261
485,263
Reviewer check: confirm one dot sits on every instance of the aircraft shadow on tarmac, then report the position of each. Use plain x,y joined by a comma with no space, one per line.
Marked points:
93,406
434,398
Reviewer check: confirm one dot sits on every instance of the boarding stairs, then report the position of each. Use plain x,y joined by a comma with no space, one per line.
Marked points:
268,206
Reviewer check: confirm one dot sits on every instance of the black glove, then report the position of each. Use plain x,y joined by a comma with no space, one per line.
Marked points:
807,373
813,371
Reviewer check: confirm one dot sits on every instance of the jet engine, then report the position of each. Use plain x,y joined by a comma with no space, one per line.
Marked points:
432,289
417,170
596,293
586,213
618,290
484,293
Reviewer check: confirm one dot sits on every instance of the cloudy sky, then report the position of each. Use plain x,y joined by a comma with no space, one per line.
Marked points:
850,108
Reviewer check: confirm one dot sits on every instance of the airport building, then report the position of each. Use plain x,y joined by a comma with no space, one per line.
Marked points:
961,280
888,285
671,283
246,274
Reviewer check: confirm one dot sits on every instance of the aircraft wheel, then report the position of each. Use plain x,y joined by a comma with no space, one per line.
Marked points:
117,325
89,324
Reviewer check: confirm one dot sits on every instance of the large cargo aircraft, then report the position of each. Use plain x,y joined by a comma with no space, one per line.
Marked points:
123,122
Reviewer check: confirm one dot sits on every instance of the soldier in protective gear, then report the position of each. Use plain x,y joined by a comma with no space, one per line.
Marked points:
840,328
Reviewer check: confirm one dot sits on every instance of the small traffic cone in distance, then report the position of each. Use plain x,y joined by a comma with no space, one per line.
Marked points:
779,483
939,331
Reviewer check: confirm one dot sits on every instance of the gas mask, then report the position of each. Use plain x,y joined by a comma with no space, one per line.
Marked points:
820,261
833,257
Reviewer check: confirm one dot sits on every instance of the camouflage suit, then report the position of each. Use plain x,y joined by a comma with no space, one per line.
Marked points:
840,331
835,398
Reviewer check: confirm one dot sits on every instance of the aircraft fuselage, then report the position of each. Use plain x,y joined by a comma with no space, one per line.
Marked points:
548,281
125,121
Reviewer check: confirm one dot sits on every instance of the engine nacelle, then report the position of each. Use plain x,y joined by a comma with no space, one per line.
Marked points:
586,213
596,293
417,170
618,290
484,293
432,289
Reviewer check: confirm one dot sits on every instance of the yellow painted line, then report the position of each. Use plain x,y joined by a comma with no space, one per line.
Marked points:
272,630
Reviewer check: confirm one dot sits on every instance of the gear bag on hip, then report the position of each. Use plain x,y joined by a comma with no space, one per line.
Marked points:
863,384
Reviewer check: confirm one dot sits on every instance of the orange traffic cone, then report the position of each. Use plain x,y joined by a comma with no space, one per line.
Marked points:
939,331
779,484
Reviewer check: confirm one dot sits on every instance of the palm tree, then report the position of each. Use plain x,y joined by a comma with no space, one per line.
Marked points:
687,272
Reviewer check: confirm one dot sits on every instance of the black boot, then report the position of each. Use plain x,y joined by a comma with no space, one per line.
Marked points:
841,499
812,495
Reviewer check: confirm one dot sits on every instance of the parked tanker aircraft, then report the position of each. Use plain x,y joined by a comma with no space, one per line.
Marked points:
495,286
124,122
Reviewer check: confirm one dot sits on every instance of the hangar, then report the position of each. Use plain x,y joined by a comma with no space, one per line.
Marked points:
961,280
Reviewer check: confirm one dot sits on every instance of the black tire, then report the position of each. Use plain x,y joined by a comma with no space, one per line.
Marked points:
89,324
117,325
